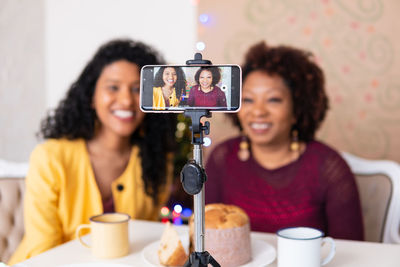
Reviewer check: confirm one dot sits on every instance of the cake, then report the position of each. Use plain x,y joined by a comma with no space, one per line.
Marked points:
171,251
227,234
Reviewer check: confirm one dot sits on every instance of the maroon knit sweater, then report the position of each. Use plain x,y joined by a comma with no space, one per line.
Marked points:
317,190
215,98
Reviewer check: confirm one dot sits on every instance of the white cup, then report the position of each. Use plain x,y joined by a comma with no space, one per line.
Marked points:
301,247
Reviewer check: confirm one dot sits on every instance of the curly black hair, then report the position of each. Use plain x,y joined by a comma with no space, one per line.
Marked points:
75,118
215,73
303,77
180,85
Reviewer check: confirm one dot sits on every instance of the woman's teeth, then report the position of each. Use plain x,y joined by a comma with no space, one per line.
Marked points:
260,126
123,113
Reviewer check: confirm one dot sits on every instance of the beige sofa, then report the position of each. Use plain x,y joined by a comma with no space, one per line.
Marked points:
11,215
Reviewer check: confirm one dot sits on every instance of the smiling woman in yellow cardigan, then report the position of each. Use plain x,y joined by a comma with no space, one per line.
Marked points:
169,87
62,193
102,154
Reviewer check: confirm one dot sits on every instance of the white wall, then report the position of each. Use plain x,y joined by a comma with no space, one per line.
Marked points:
76,28
44,45
22,82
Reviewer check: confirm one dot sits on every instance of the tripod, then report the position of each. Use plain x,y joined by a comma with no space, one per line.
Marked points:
193,177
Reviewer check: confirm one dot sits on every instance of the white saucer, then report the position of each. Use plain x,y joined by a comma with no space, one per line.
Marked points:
95,264
262,253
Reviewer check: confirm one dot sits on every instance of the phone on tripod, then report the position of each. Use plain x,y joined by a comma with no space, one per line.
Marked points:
195,89
177,88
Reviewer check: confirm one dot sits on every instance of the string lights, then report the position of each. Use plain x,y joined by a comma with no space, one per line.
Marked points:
178,215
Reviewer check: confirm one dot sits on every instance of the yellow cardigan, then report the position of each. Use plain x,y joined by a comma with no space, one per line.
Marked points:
62,193
158,99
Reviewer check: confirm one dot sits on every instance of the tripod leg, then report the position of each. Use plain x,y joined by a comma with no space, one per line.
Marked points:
213,262
201,259
187,263
192,261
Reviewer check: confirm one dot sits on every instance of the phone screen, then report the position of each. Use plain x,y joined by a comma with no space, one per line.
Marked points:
176,88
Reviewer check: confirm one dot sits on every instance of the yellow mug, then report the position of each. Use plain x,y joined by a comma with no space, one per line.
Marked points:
109,235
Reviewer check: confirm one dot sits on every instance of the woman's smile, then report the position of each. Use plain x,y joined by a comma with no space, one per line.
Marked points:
260,127
125,115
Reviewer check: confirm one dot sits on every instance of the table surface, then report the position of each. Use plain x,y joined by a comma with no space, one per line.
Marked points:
142,233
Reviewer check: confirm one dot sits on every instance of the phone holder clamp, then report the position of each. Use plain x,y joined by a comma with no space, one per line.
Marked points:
197,128
198,60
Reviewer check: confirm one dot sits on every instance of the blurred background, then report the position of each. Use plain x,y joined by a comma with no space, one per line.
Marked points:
45,44
355,43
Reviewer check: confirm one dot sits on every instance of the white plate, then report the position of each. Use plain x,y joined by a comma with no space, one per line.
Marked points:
95,264
262,253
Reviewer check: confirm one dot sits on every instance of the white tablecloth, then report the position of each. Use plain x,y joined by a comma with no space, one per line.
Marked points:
143,233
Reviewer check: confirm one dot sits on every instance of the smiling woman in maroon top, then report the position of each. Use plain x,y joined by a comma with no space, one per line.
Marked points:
276,171
206,93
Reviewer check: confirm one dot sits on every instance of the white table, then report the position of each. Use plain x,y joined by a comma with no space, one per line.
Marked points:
142,233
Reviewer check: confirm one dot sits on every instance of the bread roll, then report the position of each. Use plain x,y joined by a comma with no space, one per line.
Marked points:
221,216
227,234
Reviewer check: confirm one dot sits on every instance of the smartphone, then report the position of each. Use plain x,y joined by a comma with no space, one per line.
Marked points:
176,88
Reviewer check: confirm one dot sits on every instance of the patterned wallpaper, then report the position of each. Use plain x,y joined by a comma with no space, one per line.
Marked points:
357,43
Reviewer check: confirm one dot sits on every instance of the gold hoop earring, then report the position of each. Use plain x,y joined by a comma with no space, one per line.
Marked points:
244,152
295,144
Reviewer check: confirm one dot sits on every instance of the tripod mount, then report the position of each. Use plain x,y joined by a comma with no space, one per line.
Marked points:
193,178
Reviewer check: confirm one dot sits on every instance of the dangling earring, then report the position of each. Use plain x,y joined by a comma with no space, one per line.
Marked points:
295,145
244,152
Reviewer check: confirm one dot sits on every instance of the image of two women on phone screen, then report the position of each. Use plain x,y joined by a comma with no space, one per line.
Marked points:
170,88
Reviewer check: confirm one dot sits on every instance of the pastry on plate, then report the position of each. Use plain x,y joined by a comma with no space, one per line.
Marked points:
171,251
